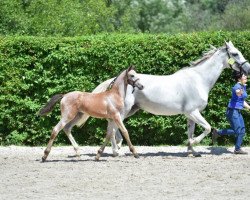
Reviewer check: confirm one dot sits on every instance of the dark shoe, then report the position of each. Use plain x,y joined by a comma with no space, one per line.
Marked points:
215,136
240,151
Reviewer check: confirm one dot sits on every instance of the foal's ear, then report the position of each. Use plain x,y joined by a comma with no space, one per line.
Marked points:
131,67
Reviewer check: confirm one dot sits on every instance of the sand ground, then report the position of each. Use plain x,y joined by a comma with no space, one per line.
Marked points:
160,173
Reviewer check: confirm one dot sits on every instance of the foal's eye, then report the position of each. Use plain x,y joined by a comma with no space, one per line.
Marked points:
132,76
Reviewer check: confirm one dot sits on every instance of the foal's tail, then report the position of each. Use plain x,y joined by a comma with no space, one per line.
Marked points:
50,105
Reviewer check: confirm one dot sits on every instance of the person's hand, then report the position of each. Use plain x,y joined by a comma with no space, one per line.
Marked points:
239,92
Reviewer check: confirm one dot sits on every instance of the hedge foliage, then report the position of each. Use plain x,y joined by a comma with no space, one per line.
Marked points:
32,69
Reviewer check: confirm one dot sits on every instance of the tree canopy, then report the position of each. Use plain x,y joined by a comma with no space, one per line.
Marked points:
85,17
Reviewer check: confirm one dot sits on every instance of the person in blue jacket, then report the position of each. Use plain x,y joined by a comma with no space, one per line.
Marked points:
233,113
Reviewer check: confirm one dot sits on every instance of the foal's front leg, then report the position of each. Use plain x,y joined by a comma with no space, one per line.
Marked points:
124,131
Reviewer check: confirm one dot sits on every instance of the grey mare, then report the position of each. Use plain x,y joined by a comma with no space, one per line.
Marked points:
184,92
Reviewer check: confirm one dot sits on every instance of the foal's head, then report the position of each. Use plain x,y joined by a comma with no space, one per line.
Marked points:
132,78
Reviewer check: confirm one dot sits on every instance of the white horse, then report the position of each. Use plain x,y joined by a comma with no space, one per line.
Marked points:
184,92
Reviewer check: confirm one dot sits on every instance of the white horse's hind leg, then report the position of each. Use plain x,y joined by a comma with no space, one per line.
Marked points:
112,128
197,118
191,128
100,151
119,138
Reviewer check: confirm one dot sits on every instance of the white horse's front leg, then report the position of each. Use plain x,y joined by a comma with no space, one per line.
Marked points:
115,148
199,119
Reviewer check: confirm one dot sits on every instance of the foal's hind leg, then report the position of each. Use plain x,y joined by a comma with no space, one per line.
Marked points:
124,131
67,129
54,133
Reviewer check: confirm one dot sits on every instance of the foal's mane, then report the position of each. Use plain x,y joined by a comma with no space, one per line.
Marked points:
113,81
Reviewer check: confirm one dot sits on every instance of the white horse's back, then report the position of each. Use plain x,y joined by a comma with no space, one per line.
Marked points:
170,95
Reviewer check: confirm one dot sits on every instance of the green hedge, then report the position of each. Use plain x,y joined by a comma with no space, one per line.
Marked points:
34,68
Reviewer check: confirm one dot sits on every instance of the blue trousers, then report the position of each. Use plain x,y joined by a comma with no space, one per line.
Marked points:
236,121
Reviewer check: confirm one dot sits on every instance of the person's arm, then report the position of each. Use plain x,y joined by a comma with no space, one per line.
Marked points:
246,105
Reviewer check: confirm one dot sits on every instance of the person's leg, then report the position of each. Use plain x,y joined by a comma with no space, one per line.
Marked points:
237,128
225,132
232,119
237,124
240,133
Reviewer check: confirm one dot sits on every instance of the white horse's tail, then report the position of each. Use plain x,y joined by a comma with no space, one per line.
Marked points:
100,88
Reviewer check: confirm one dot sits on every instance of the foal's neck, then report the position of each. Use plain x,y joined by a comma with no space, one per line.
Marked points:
120,85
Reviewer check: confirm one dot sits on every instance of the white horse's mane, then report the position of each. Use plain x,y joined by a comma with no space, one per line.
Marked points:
207,54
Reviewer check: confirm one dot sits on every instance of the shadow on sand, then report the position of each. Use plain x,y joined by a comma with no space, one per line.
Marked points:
213,151
72,158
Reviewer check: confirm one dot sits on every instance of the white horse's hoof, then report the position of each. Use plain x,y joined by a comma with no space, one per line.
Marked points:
190,155
191,142
119,144
115,154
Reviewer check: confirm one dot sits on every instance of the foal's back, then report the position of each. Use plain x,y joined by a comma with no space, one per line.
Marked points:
99,105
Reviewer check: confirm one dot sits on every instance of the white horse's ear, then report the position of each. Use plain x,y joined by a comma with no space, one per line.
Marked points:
227,44
212,47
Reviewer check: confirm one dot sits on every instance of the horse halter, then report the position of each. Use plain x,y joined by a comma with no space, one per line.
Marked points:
130,82
235,61
133,84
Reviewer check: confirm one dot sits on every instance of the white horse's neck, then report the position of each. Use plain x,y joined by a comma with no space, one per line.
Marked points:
211,69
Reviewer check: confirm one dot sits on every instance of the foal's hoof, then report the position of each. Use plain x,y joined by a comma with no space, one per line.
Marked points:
136,156
197,155
97,157
43,159
193,155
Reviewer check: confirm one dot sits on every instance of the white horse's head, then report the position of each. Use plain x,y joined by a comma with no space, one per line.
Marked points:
236,59
132,78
